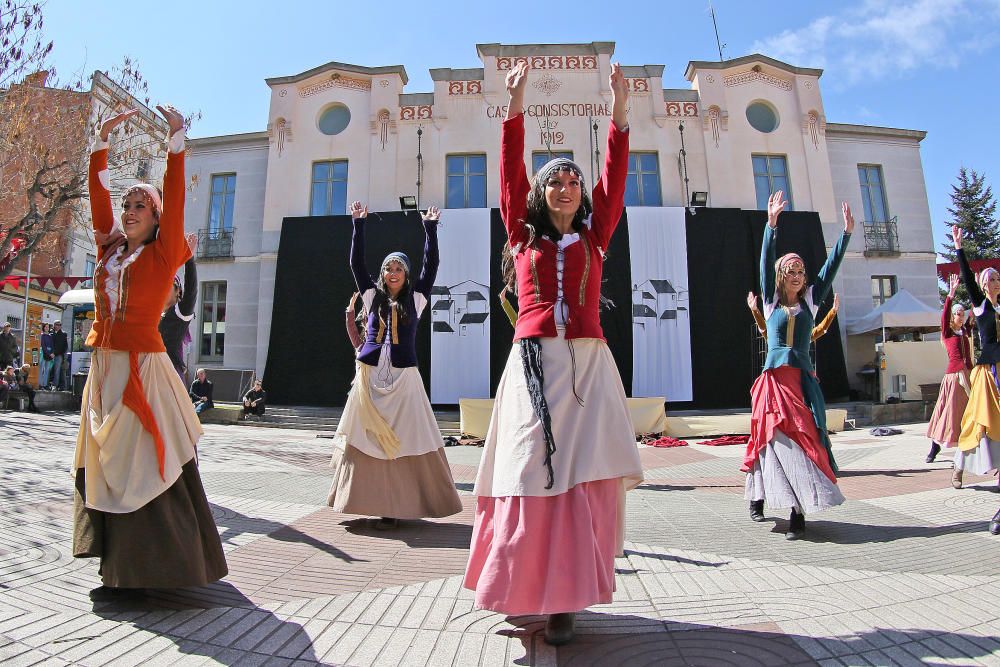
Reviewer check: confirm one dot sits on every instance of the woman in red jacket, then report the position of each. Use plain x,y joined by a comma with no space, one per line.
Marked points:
139,504
946,423
560,450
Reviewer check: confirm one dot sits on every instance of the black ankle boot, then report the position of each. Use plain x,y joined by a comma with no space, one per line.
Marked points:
757,510
995,524
386,523
796,526
935,448
559,629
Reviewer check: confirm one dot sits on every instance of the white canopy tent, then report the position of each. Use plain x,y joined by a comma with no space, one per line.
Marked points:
901,311
76,297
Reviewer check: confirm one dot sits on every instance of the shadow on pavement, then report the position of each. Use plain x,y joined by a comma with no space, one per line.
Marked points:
239,634
610,639
416,533
234,524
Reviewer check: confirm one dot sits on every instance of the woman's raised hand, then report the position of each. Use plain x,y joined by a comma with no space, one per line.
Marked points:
110,124
616,81
433,214
848,218
956,236
174,118
358,211
192,241
516,80
775,205
752,302
952,285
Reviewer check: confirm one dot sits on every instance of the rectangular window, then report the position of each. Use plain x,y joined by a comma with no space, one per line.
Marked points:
883,287
213,321
466,185
142,168
540,158
873,193
642,185
89,265
220,212
770,174
328,195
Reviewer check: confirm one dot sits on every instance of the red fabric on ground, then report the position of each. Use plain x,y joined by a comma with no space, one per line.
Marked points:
727,440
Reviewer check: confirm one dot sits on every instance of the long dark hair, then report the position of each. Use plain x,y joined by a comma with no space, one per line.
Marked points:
383,302
539,224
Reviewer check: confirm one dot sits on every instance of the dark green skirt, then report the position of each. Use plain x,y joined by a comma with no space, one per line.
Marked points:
171,542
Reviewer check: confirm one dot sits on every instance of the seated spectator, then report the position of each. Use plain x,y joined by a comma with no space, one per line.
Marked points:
201,392
22,385
254,401
5,388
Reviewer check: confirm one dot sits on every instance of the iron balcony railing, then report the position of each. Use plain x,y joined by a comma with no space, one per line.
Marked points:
215,243
881,237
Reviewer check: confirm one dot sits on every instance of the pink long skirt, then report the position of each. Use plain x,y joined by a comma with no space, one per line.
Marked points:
945,425
546,555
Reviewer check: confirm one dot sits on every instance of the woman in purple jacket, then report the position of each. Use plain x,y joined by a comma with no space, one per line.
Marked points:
388,453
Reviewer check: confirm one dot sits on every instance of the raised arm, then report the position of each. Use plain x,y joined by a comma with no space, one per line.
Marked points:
432,257
350,325
758,317
768,252
824,279
946,331
608,195
190,297
968,277
102,213
514,186
171,241
362,278
820,329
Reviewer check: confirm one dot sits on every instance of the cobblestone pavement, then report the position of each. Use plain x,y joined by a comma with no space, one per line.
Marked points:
903,573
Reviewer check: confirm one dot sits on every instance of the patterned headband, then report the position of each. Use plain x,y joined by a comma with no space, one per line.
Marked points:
984,278
787,260
149,193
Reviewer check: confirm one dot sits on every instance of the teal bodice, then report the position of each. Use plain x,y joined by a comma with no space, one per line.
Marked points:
789,333
789,330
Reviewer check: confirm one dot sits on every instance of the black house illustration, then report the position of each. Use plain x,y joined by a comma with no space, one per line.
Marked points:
463,308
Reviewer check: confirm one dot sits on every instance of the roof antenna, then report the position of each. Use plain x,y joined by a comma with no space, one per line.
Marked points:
718,42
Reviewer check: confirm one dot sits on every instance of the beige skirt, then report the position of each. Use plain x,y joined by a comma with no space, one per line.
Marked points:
409,487
118,453
416,481
594,437
945,425
148,531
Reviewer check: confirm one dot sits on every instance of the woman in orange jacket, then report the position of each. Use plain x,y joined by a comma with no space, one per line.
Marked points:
139,504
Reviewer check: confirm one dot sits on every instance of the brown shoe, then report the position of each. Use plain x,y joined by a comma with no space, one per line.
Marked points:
559,628
956,478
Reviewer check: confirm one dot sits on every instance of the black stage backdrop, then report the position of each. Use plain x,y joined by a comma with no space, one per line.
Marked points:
313,277
309,358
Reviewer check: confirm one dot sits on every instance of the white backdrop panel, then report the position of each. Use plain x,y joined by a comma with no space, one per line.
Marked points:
460,308
661,324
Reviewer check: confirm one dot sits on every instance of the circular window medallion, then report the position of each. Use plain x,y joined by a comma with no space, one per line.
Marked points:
334,120
762,117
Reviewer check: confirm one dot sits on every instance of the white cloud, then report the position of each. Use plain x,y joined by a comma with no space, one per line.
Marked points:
880,39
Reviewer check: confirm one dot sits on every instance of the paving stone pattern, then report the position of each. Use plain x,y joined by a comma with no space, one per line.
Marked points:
904,573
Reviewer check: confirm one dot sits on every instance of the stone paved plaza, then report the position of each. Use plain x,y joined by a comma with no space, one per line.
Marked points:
904,573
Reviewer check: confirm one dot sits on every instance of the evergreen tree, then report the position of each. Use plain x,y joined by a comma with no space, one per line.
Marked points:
973,209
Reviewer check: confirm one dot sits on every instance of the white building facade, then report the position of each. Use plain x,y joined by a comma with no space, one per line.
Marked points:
744,127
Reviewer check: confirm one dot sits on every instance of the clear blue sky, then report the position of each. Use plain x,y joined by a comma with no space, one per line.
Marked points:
920,64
